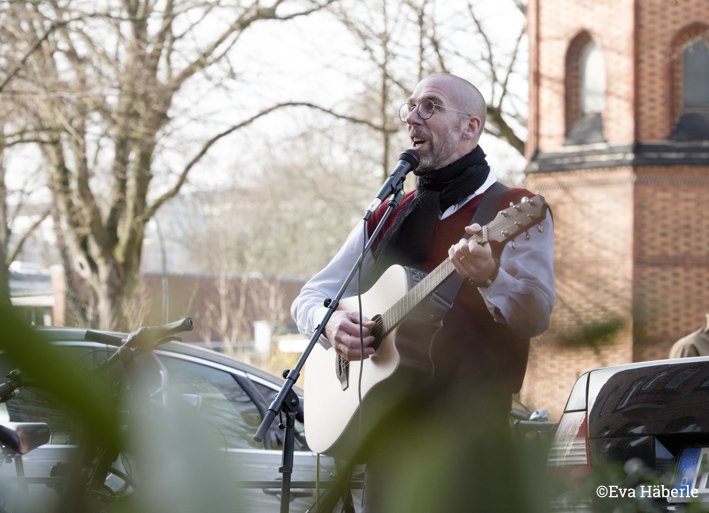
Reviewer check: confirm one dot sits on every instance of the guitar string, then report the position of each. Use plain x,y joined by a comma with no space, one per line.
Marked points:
403,306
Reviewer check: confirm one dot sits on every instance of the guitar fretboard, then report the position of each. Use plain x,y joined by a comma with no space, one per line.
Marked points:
396,313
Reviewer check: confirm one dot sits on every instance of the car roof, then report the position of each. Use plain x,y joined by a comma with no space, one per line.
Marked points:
68,334
597,378
649,363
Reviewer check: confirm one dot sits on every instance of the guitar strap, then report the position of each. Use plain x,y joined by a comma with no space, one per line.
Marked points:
442,298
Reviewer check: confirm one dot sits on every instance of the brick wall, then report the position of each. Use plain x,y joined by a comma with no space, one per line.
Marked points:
556,24
632,242
631,266
642,66
671,255
591,322
664,28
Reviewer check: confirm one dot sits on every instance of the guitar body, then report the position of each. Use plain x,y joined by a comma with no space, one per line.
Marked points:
335,420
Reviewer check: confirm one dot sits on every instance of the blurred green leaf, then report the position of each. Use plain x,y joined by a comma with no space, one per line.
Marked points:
49,368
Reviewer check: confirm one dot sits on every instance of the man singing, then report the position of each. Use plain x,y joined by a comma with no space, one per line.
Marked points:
506,297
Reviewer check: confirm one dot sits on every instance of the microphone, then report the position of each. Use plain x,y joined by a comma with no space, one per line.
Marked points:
408,161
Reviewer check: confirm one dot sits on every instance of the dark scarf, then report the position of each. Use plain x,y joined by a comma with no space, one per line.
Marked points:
408,239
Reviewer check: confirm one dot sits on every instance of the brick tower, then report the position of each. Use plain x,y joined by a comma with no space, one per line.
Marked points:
619,146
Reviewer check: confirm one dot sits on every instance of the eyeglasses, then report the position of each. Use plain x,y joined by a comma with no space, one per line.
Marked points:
425,109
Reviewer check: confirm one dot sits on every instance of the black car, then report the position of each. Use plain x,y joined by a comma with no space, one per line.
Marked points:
638,432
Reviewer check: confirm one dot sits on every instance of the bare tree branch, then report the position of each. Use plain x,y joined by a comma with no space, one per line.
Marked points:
35,46
15,251
249,17
173,191
488,57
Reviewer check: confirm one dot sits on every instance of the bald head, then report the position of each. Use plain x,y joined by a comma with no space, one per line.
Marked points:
463,95
452,124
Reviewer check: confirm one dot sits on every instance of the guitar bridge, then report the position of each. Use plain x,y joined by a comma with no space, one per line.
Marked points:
342,366
342,370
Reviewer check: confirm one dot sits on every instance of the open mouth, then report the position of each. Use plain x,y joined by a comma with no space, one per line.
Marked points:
417,143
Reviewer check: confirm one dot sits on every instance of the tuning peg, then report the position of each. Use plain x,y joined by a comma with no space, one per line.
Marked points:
504,213
505,233
525,199
540,228
527,236
513,243
517,207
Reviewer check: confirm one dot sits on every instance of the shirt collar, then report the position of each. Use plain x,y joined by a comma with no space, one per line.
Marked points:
491,179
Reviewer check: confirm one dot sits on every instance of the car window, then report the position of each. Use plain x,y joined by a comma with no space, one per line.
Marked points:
224,405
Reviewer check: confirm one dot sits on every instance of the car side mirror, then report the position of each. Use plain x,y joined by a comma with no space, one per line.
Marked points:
539,416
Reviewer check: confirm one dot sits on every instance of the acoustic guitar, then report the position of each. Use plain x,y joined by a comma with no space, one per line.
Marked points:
344,400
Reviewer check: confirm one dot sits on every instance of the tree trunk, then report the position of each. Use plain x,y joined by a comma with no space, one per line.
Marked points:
4,230
118,304
109,311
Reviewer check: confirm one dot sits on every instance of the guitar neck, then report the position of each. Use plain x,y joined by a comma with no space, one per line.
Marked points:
396,313
506,226
418,293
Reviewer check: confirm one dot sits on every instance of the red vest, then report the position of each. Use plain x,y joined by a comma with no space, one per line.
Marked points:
471,350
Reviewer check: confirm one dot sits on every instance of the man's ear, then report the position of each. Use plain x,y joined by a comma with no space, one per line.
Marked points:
471,130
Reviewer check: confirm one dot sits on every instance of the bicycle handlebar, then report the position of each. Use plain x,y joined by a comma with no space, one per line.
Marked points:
11,385
142,339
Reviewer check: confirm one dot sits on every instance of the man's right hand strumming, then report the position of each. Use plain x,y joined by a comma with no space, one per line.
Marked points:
343,332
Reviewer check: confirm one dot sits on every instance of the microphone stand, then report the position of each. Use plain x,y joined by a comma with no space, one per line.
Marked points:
287,401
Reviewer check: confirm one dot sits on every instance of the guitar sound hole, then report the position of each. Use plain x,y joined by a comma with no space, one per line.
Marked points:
378,331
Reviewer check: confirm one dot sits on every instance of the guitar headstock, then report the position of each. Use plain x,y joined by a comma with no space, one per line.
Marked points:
516,219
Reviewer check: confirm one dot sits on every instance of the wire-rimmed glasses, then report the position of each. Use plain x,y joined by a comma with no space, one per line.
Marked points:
425,109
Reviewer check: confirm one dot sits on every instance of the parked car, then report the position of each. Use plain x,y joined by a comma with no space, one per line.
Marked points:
232,398
650,419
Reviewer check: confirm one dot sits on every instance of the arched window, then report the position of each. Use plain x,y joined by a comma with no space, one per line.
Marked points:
691,92
695,76
593,80
585,91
